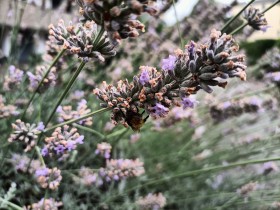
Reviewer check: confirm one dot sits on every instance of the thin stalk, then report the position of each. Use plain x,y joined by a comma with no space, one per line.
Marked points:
116,133
245,24
90,130
236,16
178,26
40,156
41,82
68,87
78,119
14,206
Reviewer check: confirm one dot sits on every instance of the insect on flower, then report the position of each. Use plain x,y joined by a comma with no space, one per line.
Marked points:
135,119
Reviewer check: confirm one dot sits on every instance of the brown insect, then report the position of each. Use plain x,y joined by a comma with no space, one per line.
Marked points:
135,119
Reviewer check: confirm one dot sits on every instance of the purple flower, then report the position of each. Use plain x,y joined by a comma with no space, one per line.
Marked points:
81,103
191,50
71,145
107,154
144,77
40,126
33,80
42,172
45,151
188,102
80,140
169,63
16,74
59,149
160,110
264,28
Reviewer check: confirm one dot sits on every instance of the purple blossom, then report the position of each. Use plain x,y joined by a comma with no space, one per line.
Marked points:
59,149
16,74
42,172
71,145
33,80
264,28
188,102
144,77
160,110
40,126
80,140
45,151
81,103
191,50
169,63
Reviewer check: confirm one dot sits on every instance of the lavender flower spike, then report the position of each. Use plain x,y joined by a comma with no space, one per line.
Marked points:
169,63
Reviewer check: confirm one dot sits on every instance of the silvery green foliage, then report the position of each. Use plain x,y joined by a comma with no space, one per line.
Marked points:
10,194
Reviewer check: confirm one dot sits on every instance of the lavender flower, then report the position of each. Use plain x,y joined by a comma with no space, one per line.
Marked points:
199,67
88,177
151,202
25,133
36,78
245,190
21,162
7,110
256,19
13,79
48,178
62,141
188,102
169,63
104,149
44,204
144,76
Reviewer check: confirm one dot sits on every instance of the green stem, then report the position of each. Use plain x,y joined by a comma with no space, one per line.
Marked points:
236,16
41,82
78,119
178,25
245,24
68,87
90,130
14,206
40,156
116,133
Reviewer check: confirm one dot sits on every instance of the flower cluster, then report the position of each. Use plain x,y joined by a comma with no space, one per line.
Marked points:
7,110
83,41
104,149
44,204
117,17
121,169
25,133
246,189
151,202
88,177
66,113
199,67
36,78
13,79
48,178
63,140
256,19
21,162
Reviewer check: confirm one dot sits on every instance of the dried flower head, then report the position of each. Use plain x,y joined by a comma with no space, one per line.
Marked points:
48,178
63,140
13,79
66,113
245,190
44,204
36,78
117,17
121,169
104,149
256,19
199,67
83,41
151,202
7,110
25,133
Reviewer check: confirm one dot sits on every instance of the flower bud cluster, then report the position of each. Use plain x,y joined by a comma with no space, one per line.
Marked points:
118,169
83,41
48,178
117,17
88,177
13,79
183,74
104,149
44,204
7,110
151,201
25,133
21,162
36,78
63,140
256,19
66,113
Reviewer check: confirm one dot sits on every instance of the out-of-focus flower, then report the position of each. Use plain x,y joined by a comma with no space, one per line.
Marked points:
269,167
21,162
24,133
104,149
135,137
199,67
62,141
36,78
83,40
245,190
151,202
119,169
118,17
109,126
256,19
66,113
48,178
77,95
88,177
7,110
44,204
13,79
